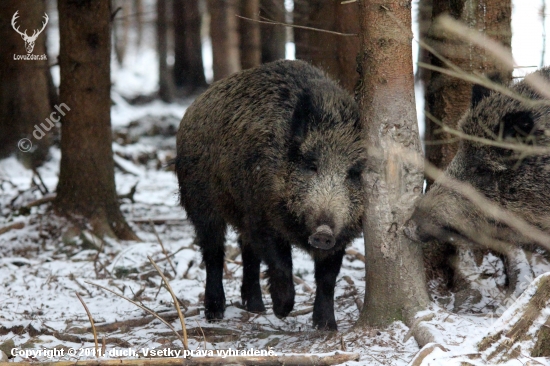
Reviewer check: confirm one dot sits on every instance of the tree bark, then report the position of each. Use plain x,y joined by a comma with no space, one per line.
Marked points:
334,54
166,87
86,187
395,281
425,10
273,37
249,31
24,97
225,37
188,67
448,98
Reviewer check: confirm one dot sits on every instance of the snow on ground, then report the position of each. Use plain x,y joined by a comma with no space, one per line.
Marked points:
43,265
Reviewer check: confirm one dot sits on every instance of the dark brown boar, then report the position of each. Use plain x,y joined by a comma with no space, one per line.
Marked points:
513,178
276,153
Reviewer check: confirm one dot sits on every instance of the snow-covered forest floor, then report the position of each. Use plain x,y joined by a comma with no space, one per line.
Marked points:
45,261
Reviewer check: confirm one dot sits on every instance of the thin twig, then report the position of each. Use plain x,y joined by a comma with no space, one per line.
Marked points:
273,22
203,336
141,307
524,148
97,354
176,302
163,249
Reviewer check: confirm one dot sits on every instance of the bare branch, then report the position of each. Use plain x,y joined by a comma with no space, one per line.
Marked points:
273,22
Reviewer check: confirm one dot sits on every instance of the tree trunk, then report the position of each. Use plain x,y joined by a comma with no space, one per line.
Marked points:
121,28
273,37
24,97
188,66
448,98
334,54
225,37
166,87
138,9
395,282
86,187
425,10
249,31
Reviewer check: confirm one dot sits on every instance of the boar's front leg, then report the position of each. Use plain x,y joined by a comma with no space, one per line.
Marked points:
327,268
251,292
277,254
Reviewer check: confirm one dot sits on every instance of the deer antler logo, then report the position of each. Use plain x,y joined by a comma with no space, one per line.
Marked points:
29,41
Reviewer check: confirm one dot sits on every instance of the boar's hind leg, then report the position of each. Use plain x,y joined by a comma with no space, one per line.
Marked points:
277,255
211,237
251,292
326,271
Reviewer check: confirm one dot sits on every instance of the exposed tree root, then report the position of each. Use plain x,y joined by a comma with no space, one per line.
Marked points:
521,331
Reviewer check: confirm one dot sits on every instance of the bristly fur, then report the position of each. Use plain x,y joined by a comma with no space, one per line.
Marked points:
275,152
519,183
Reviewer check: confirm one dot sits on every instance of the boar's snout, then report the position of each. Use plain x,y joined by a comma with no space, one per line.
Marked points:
322,238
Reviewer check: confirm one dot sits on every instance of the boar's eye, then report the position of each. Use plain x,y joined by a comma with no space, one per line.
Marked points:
308,162
518,124
354,173
311,166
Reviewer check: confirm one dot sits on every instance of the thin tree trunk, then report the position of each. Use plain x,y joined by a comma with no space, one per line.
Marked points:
24,97
225,37
395,282
273,37
86,187
138,8
251,52
334,54
448,98
121,28
166,87
188,66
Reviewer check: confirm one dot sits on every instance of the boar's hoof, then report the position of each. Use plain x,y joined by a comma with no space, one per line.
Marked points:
255,306
323,238
213,315
213,310
329,325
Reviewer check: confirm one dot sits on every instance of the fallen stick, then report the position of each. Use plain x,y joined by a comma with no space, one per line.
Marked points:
304,284
14,226
138,322
286,360
356,254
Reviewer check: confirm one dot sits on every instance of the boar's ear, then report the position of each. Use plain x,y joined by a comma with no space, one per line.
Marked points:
517,123
480,92
302,116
